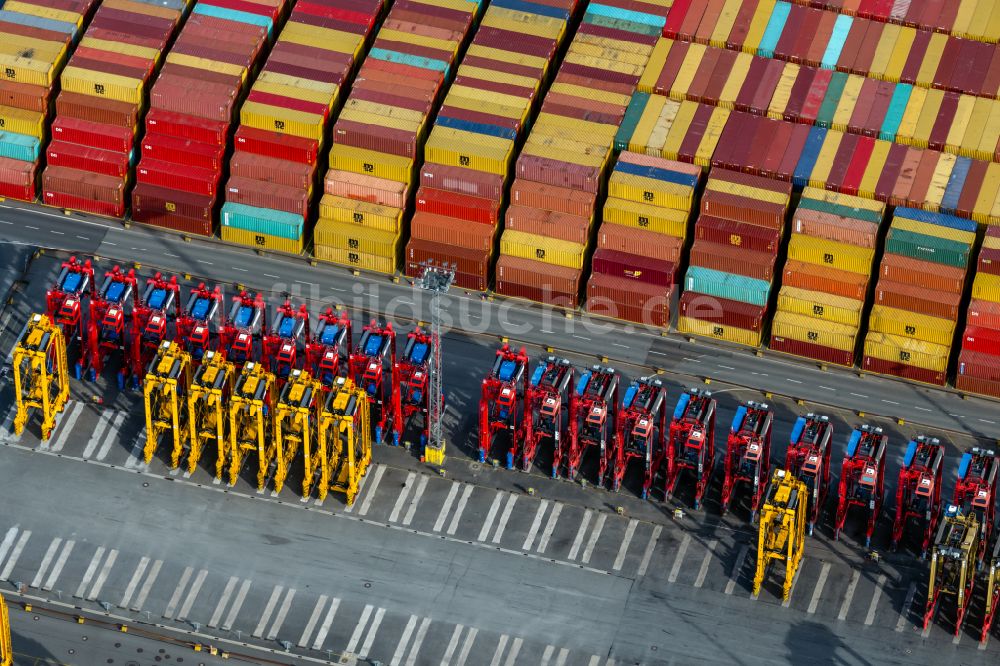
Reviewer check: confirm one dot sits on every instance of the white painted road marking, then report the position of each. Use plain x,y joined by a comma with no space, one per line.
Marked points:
372,487
411,510
46,560
401,499
650,547
848,595
411,659
703,571
60,563
504,518
446,507
529,541
286,604
404,639
737,567
681,551
268,610
178,591
905,612
147,586
313,619
490,516
623,551
459,510
102,577
133,582
870,617
15,554
359,628
580,533
95,561
550,527
220,607
452,645
324,628
824,572
192,595
372,631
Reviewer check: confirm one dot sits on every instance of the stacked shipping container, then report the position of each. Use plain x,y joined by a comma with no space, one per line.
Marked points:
561,167
979,362
103,96
738,235
470,149
683,131
284,122
192,105
825,280
916,306
36,41
380,133
640,242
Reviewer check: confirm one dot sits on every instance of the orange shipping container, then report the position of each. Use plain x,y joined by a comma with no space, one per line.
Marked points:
449,231
640,242
553,224
550,197
815,277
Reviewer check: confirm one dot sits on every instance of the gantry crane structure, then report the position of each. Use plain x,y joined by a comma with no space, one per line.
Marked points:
369,360
918,492
150,323
6,647
642,431
412,374
953,564
286,340
165,391
501,402
862,478
343,449
200,322
208,398
808,459
41,375
295,423
992,575
546,410
976,491
593,413
107,326
66,304
251,409
243,329
782,530
328,352
748,454
691,442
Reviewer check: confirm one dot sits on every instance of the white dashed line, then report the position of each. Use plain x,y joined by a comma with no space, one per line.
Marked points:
827,388
662,354
580,337
275,277
987,421
727,367
689,360
202,261
28,226
308,284
241,270
171,254
858,395
891,402
83,237
616,344
57,233
923,409
794,381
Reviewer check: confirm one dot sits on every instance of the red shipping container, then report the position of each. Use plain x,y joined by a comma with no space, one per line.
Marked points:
980,339
557,299
814,277
729,259
633,267
366,188
449,231
17,172
537,275
283,102
375,137
738,234
95,160
97,135
619,298
271,170
924,274
639,242
182,151
177,177
560,174
742,209
70,202
553,224
972,384
185,126
378,96
273,144
458,206
149,201
989,261
813,351
174,222
907,296
900,369
502,66
978,364
363,18
261,194
985,314
35,33
463,181
19,192
474,262
216,106
553,197
721,311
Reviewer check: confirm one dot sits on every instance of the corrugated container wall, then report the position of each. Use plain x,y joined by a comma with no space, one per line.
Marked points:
979,360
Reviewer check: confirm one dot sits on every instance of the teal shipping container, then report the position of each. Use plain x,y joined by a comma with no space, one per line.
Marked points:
19,147
727,285
262,220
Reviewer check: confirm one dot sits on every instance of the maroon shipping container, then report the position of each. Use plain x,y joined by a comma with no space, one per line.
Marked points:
989,261
34,33
150,200
620,298
273,144
633,267
377,138
576,110
175,222
396,84
973,185
473,262
177,176
71,202
537,275
972,384
738,234
742,209
721,311
796,142
270,169
507,40
95,160
16,172
268,195
463,181
182,151
183,73
375,94
640,242
560,174
813,351
85,186
194,98
774,153
983,340
978,364
478,117
459,206
185,126
547,297
552,197
501,66
901,369
465,281
552,224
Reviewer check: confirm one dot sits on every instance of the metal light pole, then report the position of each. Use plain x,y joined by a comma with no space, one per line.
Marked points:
437,281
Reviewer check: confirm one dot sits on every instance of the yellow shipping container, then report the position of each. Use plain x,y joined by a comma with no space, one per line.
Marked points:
462,102
486,97
63,15
990,132
649,190
463,6
661,129
607,64
838,309
897,349
987,194
413,38
678,130
727,17
99,84
484,74
672,222
569,147
577,128
986,287
991,33
831,253
934,230
912,325
737,77
783,91
441,148
21,121
542,248
848,100
932,58
351,211
647,121
206,64
284,121
969,145
261,241
26,70
928,116
991,243
366,118
536,62
526,22
145,52
49,51
355,238
294,92
371,163
593,94
142,8
939,182
873,172
900,54
960,123
708,329
305,84
963,18
548,152
376,263
814,331
322,38
623,52
710,139
824,161
657,61
685,76
908,125
760,194
758,24
384,111
884,49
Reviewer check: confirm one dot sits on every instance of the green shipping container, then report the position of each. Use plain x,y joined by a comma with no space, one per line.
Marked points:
927,248
832,99
727,285
842,211
622,24
633,114
262,220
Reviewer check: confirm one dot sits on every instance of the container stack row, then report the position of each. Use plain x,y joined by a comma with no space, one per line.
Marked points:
824,284
284,122
98,111
37,40
561,168
917,298
727,288
971,19
684,131
979,361
826,39
192,105
378,137
958,123
470,150
641,238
